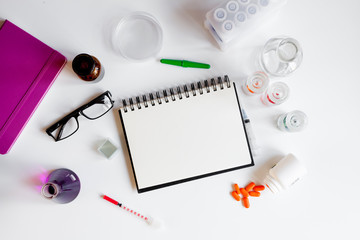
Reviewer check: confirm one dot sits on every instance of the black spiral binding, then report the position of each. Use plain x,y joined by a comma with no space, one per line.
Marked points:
173,94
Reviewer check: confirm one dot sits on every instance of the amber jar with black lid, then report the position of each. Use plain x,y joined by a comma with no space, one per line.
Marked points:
88,68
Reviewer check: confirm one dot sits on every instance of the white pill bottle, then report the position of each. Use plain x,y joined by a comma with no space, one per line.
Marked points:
285,173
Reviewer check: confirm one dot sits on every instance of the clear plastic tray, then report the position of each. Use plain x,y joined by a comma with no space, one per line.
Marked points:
233,19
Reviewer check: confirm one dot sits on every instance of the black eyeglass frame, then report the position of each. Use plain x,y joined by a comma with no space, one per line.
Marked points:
76,113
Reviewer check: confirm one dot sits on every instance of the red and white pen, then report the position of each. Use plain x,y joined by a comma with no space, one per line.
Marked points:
148,220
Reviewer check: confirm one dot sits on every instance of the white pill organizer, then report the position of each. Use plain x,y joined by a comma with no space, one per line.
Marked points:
232,19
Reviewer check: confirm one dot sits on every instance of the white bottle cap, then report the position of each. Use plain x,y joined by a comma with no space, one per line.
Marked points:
272,184
285,173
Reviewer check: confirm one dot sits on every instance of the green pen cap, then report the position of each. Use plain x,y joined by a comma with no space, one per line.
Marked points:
184,63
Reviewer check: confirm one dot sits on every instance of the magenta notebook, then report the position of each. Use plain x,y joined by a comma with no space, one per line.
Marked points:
28,67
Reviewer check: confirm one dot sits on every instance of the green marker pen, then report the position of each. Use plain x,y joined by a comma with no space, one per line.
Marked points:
184,63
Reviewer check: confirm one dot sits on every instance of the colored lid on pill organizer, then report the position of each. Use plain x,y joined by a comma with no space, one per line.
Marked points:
228,26
264,3
240,17
232,6
138,36
252,9
220,14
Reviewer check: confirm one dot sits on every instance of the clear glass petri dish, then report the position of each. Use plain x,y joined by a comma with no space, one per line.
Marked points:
138,36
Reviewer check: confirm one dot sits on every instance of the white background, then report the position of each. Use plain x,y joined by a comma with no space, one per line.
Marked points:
324,204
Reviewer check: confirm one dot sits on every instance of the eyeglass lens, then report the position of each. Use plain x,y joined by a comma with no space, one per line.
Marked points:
66,129
98,109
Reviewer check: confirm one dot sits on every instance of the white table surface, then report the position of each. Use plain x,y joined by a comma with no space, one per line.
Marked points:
324,204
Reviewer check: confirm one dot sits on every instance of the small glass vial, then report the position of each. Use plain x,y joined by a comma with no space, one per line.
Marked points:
62,186
284,174
294,121
276,94
256,83
88,68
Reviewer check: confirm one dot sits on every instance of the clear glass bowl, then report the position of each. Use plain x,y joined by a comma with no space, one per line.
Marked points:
281,56
138,36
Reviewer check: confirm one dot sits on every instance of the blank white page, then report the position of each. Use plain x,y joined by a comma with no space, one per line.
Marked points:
186,139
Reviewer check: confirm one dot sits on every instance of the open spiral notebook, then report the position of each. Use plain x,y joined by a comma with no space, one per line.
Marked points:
185,133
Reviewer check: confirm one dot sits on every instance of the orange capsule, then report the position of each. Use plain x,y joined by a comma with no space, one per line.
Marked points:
237,188
244,192
235,195
259,188
254,194
250,186
246,202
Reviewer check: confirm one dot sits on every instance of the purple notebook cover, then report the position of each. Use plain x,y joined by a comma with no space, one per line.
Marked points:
28,67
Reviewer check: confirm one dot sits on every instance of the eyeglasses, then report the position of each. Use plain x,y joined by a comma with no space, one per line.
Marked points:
69,124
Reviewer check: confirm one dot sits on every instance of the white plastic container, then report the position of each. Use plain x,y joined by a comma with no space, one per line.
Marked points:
235,18
285,174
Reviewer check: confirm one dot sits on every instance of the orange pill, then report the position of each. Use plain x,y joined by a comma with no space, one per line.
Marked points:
244,192
237,188
254,194
235,195
250,186
259,188
246,202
